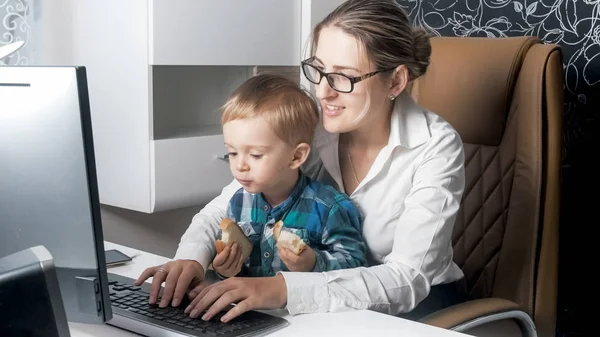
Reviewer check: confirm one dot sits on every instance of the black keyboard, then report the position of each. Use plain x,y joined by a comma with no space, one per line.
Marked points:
131,311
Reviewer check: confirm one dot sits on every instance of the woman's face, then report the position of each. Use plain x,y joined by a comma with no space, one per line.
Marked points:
343,112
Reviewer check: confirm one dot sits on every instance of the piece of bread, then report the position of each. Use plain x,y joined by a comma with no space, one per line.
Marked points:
231,232
277,229
288,239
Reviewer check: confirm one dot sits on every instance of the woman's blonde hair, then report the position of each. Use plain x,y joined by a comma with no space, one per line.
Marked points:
290,111
384,33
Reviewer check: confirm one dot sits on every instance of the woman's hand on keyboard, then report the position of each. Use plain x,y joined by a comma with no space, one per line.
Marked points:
249,294
178,276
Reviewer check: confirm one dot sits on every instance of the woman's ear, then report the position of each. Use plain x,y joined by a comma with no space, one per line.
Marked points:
300,155
399,80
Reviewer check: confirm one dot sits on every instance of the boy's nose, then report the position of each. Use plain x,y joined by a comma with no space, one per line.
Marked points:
242,166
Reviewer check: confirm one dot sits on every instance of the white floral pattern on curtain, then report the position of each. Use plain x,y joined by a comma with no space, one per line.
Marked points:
16,19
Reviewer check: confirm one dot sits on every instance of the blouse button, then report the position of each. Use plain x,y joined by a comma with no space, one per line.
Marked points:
265,208
267,255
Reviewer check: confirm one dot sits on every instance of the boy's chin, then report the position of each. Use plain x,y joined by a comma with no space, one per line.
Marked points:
252,189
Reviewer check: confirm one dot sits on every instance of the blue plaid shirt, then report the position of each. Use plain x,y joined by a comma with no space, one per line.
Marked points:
324,218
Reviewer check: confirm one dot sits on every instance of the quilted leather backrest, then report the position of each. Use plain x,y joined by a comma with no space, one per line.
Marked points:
491,90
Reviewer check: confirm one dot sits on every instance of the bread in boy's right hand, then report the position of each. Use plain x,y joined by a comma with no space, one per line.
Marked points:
220,246
231,232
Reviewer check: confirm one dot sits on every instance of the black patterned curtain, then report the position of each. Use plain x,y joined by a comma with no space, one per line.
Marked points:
574,25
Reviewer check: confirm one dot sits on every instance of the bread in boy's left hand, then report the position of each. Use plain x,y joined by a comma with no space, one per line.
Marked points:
287,239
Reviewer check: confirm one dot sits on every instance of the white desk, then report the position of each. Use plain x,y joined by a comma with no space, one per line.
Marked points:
352,323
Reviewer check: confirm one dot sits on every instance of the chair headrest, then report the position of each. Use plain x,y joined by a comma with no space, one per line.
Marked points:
470,82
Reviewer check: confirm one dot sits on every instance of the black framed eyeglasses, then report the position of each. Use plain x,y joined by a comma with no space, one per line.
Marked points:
337,81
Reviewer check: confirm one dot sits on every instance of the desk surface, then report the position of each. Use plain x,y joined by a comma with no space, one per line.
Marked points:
330,324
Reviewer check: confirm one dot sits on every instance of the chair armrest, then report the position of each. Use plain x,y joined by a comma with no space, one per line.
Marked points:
467,315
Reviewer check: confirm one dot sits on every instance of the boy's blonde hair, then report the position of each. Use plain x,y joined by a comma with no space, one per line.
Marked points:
290,111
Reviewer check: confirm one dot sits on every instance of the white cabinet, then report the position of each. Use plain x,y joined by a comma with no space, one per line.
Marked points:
225,32
158,72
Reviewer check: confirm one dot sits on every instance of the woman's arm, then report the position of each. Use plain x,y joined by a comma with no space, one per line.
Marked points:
405,277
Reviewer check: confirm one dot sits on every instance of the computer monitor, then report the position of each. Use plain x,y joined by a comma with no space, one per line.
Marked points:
48,188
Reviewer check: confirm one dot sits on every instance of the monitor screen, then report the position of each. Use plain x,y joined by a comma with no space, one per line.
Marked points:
48,188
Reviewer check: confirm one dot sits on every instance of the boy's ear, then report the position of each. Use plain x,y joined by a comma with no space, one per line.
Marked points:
300,154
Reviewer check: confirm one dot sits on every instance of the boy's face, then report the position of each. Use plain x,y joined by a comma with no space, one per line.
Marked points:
259,160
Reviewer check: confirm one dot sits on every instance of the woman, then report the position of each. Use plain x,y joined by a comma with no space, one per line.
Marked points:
401,165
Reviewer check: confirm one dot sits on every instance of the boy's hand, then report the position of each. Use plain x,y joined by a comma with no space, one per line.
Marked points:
303,262
229,262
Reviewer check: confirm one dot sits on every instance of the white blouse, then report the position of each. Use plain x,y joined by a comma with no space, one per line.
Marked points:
409,201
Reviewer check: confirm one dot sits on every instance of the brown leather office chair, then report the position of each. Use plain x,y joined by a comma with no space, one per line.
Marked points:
505,98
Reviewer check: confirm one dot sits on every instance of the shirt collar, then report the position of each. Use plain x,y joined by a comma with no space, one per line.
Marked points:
291,199
409,126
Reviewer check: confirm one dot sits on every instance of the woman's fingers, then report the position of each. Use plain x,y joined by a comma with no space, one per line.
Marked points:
170,283
188,274
224,301
157,280
208,296
237,310
250,293
146,274
196,290
177,276
201,293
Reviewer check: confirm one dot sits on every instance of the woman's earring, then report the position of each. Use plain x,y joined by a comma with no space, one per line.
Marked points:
391,97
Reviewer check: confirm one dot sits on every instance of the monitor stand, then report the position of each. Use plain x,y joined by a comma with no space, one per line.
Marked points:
30,299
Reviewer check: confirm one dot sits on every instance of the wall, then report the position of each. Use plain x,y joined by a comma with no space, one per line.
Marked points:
573,24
